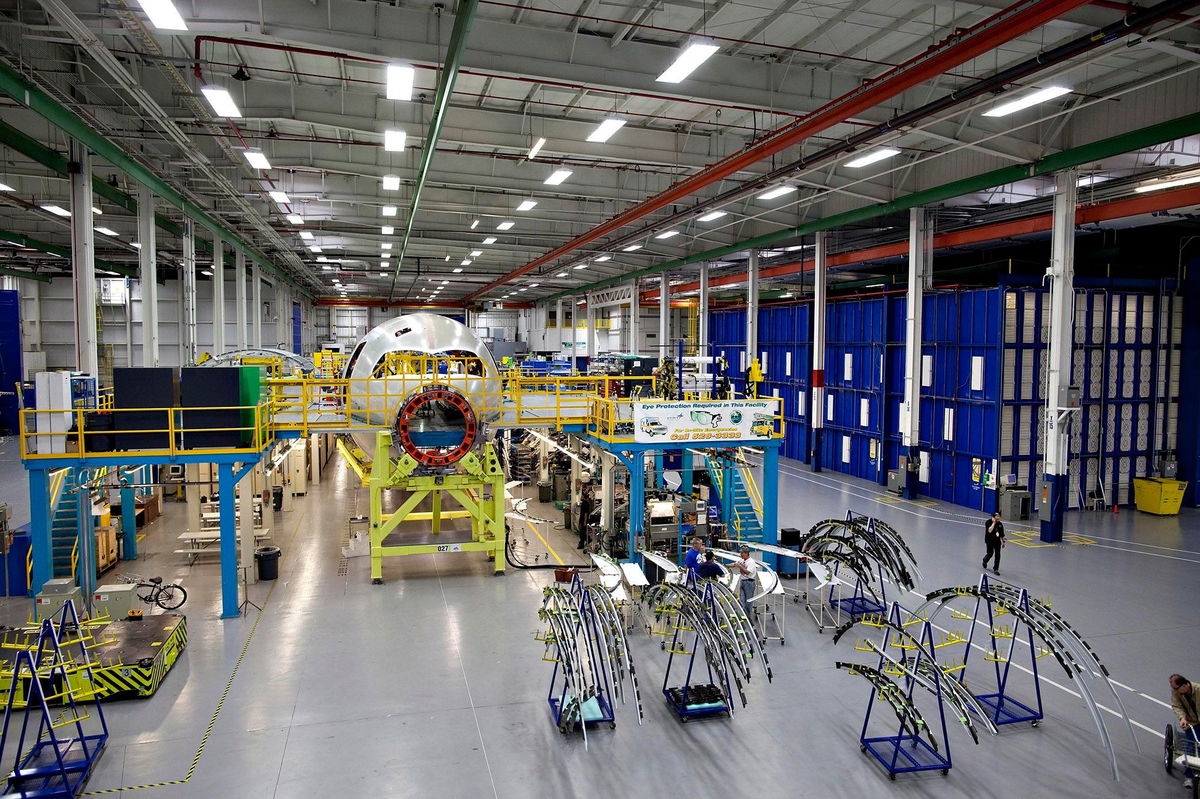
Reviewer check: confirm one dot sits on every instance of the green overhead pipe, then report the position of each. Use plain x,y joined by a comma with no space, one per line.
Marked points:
4,270
441,104
16,86
21,240
1076,156
34,150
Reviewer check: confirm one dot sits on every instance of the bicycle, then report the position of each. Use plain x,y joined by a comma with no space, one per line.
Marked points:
167,596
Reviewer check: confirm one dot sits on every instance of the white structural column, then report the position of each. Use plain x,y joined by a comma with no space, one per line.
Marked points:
218,296
83,262
189,293
256,305
702,327
559,325
608,463
246,496
664,316
148,276
240,337
1060,401
920,252
751,310
635,318
816,386
591,329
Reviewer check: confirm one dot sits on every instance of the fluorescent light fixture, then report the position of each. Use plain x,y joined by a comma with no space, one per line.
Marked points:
279,197
490,240
778,191
447,261
306,235
206,272
256,159
323,260
222,101
474,224
712,215
687,61
388,210
581,266
6,187
444,282
137,245
534,285
295,219
314,248
558,177
561,274
394,140
456,269
878,154
523,289
1091,180
1168,184
96,211
631,248
400,79
605,130
387,230
57,210
387,245
536,148
476,253
603,258
326,268
163,15
465,262
107,231
385,255
383,264
667,234
505,225
391,182
1033,98
527,205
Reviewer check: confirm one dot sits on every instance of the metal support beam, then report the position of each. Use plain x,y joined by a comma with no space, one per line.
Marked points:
702,327
218,296
1061,274
40,542
816,418
188,297
241,335
148,275
128,522
751,310
256,305
83,250
664,315
637,500
560,324
228,515
920,255
591,331
246,497
635,318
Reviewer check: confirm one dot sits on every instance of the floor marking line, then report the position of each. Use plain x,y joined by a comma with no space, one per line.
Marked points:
545,543
212,721
467,684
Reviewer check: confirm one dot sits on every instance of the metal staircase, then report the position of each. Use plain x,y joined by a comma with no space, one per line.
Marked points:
64,526
740,504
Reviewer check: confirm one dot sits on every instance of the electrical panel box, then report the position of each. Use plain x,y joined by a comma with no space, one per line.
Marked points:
895,481
1047,500
47,604
1069,397
1014,504
114,601
113,291
59,585
1168,468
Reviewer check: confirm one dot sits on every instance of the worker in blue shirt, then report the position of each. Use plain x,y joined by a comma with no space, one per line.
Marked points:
691,560
710,567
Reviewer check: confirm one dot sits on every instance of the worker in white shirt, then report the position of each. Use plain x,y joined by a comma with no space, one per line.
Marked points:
746,568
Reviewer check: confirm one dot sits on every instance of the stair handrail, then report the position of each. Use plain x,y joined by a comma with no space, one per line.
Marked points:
58,479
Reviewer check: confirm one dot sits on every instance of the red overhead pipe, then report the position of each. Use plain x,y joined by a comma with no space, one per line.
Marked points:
1040,223
956,49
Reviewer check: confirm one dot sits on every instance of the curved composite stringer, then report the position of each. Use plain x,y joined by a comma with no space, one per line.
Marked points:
897,699
585,639
922,669
865,547
1057,636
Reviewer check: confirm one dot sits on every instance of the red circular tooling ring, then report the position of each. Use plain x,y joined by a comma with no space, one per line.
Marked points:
437,457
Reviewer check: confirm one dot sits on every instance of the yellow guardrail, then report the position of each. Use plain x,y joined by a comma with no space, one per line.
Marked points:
91,433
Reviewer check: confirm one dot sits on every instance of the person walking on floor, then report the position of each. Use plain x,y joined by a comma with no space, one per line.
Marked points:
993,537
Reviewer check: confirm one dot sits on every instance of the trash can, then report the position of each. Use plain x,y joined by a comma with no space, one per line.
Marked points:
1158,496
544,492
268,562
277,498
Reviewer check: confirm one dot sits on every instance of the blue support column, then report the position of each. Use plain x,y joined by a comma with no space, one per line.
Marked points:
85,570
229,585
658,470
637,502
770,491
39,529
128,524
685,471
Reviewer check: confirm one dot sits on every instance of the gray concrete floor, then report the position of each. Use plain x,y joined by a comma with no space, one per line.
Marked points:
432,684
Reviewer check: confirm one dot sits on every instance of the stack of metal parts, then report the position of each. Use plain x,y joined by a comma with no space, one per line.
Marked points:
706,618
869,549
585,639
1056,636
